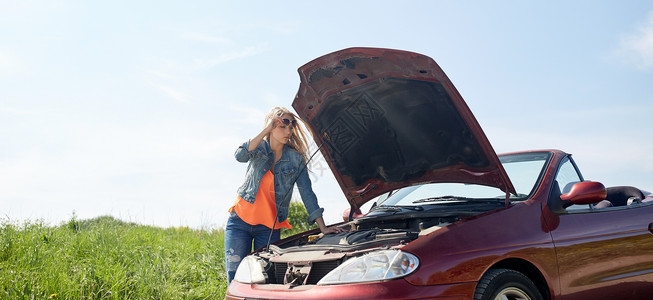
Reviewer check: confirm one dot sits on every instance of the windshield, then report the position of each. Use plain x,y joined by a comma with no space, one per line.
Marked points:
524,170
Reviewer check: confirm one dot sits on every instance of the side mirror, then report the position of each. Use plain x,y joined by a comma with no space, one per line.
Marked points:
345,214
587,192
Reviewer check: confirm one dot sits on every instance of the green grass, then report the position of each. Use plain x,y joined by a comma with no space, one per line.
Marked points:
105,258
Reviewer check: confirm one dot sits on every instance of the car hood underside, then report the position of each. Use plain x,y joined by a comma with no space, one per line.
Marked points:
387,119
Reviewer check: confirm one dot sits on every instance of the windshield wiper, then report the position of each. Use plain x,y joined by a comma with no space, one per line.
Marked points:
396,208
446,198
386,208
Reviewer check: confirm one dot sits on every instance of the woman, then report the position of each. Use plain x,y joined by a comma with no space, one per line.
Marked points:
276,160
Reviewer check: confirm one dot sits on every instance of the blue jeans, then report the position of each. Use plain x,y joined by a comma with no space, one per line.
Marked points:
238,237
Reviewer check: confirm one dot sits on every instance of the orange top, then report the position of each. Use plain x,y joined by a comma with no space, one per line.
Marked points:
264,209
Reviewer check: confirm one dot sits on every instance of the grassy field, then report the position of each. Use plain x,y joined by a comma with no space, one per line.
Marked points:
105,258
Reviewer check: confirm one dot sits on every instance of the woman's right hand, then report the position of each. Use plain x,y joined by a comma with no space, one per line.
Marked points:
272,123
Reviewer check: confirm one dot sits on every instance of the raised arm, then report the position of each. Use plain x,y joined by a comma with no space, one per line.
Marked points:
253,142
246,151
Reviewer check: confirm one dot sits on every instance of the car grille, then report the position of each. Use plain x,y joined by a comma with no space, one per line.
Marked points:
318,271
279,272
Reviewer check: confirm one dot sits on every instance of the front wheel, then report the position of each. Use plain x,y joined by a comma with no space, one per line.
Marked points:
506,284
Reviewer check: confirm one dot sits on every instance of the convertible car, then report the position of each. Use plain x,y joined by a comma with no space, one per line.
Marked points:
451,219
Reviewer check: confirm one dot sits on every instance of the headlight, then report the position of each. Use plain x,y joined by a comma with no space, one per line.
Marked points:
374,266
251,270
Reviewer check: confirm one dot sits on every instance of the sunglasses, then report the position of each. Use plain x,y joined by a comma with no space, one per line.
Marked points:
289,122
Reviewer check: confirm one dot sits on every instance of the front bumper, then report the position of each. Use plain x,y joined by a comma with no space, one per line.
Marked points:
393,289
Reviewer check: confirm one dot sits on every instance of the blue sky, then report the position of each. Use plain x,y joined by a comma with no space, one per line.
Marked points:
134,108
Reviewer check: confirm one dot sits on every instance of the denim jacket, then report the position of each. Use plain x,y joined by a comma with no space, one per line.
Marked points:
285,171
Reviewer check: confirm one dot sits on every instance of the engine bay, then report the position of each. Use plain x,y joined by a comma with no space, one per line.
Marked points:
307,258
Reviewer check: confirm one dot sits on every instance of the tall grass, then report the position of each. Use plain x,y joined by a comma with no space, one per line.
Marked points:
105,258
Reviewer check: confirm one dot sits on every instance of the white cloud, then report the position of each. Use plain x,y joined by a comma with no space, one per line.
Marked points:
176,170
201,37
4,61
229,56
250,115
173,93
637,48
16,111
608,143
11,64
175,77
284,27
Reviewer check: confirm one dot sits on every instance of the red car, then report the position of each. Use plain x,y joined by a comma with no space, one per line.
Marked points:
451,219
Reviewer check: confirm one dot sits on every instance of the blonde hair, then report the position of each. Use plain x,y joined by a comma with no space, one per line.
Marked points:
298,139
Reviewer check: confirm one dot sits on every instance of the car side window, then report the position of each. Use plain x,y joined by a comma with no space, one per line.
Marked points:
568,176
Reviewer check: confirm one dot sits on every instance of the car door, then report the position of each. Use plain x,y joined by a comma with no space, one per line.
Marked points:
603,253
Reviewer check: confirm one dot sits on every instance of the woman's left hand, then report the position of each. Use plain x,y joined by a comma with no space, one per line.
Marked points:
328,230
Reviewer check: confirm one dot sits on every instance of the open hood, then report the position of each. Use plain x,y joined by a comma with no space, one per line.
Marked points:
387,119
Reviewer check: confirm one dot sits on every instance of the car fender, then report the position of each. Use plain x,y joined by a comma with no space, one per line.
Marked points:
465,250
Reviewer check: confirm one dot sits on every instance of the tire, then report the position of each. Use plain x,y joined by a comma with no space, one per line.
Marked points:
506,284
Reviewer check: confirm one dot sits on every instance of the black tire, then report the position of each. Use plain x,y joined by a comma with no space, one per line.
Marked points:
506,284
